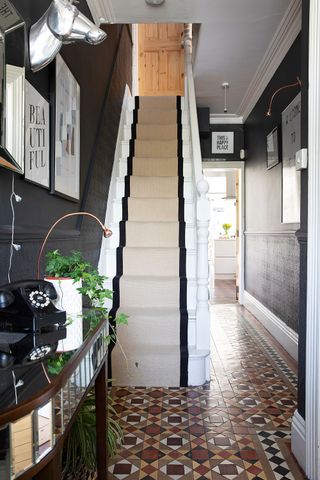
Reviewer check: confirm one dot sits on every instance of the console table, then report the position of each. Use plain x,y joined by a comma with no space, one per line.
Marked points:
37,410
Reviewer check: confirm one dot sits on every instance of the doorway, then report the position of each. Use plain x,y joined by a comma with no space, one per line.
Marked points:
226,259
160,59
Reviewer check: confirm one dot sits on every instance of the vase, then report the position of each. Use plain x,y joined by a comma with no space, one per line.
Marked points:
69,299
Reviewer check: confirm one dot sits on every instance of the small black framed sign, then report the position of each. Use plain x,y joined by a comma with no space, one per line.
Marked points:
273,154
222,142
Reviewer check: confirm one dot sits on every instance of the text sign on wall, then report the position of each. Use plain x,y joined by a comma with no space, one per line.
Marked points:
37,137
222,142
291,143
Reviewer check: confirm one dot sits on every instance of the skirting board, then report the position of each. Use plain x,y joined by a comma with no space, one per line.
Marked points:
287,337
298,439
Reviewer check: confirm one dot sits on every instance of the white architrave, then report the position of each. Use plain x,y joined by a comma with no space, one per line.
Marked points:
313,264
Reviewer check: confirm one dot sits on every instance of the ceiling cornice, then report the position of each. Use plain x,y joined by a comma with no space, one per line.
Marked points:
279,46
101,11
225,119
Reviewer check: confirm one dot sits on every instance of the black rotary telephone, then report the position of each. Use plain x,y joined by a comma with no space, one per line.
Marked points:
30,324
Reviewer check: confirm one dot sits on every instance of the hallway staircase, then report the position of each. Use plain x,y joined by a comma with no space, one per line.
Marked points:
157,258
151,274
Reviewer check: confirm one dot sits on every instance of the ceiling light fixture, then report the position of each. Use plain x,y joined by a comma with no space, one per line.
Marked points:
290,85
154,3
225,86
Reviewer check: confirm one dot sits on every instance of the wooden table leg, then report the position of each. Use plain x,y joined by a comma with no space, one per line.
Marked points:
101,422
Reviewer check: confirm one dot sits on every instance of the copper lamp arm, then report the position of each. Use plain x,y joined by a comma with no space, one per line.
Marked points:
106,232
290,85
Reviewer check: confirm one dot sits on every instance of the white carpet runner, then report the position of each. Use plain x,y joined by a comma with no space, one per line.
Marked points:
151,286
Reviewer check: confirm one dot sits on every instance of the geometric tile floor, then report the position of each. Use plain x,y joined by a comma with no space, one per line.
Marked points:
237,427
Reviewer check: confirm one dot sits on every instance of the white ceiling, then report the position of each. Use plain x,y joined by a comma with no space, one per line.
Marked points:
233,37
232,41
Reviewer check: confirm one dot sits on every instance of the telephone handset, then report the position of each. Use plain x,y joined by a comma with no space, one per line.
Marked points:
27,305
30,325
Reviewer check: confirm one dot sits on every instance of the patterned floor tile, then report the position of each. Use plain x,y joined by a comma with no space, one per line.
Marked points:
236,428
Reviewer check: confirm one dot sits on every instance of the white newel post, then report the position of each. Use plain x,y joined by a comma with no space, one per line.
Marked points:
202,312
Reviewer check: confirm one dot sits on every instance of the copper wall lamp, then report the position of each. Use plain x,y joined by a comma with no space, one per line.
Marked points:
290,85
106,232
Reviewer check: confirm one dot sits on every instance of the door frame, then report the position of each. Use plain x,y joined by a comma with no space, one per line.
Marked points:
135,60
238,165
312,420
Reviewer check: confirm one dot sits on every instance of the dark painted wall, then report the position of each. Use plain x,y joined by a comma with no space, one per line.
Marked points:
272,253
101,69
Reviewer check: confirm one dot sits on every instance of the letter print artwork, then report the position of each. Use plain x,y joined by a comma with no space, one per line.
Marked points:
37,164
67,132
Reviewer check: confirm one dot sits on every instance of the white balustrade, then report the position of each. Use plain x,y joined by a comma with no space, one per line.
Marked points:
202,207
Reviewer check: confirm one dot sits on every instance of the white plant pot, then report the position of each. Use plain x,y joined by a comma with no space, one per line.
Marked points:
69,300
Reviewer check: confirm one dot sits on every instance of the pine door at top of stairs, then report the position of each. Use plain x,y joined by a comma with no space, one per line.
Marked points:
161,59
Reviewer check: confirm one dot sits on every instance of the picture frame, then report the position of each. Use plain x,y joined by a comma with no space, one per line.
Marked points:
291,178
65,169
222,143
273,148
37,137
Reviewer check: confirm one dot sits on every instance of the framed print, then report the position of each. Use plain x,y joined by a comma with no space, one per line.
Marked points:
222,142
66,170
273,157
291,143
37,137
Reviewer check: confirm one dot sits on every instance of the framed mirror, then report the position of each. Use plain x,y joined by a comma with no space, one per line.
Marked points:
12,79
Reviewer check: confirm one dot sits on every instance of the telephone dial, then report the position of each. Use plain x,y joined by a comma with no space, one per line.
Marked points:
30,324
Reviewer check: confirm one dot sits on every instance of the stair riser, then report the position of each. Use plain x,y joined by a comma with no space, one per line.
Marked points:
125,149
129,118
131,105
128,133
187,189
190,239
158,302
187,168
160,268
189,214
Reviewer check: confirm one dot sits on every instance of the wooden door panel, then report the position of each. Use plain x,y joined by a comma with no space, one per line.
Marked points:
161,59
151,31
151,71
173,70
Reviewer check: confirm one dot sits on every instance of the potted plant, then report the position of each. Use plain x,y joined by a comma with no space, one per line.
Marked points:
226,227
74,277
65,273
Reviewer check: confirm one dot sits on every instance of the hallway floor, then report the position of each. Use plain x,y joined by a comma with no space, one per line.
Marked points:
223,291
236,428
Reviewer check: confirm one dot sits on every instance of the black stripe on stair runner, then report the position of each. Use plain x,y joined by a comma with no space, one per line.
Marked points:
182,247
182,263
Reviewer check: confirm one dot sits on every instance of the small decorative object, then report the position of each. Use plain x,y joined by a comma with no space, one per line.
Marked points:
37,165
222,142
61,23
226,227
273,149
66,171
291,143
